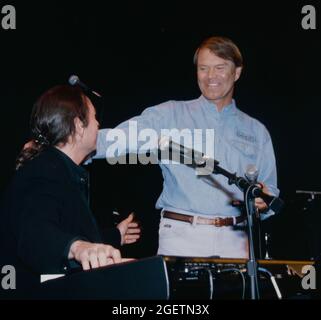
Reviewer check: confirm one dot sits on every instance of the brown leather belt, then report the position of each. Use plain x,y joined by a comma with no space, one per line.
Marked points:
217,222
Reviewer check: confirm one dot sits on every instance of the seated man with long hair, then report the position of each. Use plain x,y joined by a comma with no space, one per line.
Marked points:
46,222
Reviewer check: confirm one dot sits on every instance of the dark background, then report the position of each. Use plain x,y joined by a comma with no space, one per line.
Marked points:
139,54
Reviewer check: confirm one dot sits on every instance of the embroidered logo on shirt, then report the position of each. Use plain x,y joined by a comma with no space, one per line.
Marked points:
245,136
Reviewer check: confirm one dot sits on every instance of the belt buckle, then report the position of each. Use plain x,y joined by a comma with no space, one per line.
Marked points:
217,222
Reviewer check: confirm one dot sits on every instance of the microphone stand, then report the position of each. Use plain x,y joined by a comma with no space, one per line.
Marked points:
251,264
251,191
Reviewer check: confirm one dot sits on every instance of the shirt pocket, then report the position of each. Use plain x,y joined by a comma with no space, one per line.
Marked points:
248,150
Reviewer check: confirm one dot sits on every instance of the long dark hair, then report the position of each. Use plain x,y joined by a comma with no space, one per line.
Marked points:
52,120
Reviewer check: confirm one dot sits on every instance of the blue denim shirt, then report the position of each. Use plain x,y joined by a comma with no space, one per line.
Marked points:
240,140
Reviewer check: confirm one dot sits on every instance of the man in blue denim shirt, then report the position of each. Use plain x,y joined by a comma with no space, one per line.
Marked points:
197,216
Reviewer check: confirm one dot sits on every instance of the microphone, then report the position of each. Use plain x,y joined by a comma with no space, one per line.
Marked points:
195,157
74,80
204,164
251,173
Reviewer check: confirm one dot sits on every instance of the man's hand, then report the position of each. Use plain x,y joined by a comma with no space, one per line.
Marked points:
129,230
259,203
93,255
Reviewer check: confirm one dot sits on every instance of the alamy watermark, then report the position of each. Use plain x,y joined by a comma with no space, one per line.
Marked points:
168,146
309,280
8,17
309,20
8,281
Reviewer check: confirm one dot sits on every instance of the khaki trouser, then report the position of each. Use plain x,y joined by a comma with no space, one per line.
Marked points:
178,238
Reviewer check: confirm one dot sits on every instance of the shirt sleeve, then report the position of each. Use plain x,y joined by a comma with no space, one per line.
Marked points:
137,135
267,169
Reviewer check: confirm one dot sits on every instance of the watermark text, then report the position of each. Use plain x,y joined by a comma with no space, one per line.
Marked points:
8,17
309,20
8,281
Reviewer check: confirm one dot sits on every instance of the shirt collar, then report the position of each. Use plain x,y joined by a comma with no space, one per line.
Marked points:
227,110
77,173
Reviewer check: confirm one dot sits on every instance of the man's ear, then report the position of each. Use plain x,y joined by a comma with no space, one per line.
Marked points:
79,127
238,71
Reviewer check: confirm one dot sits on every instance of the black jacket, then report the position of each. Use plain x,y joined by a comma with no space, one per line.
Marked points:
43,211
